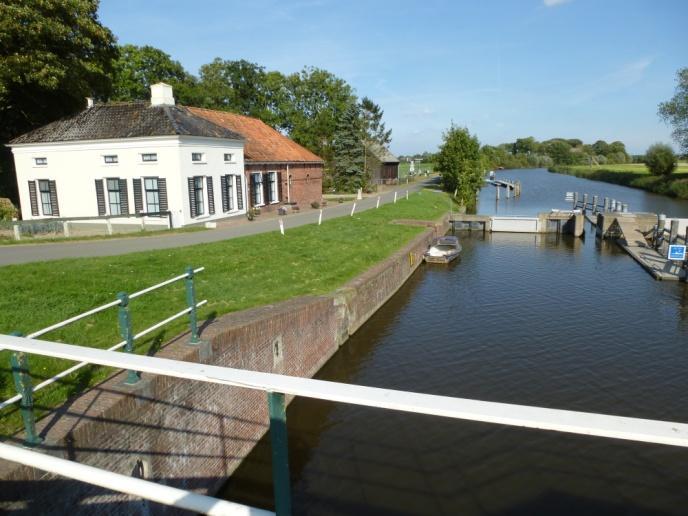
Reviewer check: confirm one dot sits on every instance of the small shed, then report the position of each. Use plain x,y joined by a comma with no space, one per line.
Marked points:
382,165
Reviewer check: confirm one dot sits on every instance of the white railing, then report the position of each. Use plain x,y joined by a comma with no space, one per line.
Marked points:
130,485
586,423
617,427
117,346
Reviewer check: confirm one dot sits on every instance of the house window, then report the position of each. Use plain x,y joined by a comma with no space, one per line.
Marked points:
41,162
110,159
150,184
257,189
46,203
114,196
229,182
150,157
272,187
228,157
197,157
198,194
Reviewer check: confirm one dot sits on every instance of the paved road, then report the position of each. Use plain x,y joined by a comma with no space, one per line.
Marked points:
13,254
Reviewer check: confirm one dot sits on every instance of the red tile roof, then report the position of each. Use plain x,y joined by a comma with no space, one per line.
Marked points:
263,143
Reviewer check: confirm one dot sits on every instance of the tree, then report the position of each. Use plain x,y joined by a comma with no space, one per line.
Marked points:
459,163
559,151
675,111
348,148
601,147
373,126
525,145
53,55
660,159
139,67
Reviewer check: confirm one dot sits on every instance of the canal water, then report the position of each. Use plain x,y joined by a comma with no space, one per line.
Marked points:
545,320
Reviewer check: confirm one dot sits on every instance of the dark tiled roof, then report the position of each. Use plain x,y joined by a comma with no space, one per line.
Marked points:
263,143
126,120
382,154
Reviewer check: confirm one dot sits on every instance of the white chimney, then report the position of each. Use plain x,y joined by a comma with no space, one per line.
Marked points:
161,95
89,102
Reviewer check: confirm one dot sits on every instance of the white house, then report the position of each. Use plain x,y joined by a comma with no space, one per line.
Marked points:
131,159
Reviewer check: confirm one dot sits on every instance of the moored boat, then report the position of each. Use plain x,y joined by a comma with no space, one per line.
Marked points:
443,250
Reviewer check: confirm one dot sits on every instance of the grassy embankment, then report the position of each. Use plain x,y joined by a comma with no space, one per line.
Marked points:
240,273
405,166
634,175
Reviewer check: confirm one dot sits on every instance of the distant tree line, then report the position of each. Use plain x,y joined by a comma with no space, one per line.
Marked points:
56,53
529,153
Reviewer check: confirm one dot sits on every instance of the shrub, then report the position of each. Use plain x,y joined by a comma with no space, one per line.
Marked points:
7,209
660,159
315,205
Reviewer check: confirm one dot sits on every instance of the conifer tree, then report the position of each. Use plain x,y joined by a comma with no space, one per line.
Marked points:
348,147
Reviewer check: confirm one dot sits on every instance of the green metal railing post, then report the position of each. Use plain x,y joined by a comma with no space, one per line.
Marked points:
191,302
126,333
280,453
22,382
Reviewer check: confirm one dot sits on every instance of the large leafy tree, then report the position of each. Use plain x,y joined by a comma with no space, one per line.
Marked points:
53,54
675,111
459,163
139,67
349,173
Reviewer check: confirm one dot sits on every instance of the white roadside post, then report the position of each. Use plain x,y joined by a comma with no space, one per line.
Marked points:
281,226
17,233
407,195
320,218
377,204
353,209
395,196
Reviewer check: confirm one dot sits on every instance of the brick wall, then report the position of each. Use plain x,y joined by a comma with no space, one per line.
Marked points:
305,186
192,434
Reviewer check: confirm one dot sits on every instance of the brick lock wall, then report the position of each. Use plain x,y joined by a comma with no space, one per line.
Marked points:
193,434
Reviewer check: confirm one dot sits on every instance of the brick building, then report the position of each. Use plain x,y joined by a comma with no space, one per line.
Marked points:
270,157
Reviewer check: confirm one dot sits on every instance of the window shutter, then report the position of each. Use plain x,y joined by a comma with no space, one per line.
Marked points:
192,197
267,191
33,198
100,197
124,196
223,187
279,187
138,196
211,195
53,198
254,189
239,192
162,193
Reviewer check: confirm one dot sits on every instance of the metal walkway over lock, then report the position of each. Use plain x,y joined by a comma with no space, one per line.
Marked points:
277,386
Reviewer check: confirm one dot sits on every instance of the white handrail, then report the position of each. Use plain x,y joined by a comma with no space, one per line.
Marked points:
130,485
107,305
78,366
617,427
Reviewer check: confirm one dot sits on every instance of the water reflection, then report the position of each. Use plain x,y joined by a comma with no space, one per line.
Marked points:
547,320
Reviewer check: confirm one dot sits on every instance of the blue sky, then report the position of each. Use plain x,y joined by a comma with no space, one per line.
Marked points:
589,69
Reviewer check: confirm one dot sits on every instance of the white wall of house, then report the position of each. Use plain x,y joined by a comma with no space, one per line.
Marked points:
75,166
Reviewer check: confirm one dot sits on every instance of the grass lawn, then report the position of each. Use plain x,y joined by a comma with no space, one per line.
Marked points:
634,175
405,166
132,234
240,273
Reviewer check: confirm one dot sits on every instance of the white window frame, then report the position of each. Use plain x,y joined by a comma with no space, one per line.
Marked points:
230,192
108,201
110,163
42,200
154,191
202,198
260,190
274,187
201,158
43,161
149,161
231,157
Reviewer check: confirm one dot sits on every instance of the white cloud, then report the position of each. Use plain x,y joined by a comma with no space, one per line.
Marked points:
554,3
616,80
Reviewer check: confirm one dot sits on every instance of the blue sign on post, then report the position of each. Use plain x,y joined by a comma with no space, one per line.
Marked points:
677,252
